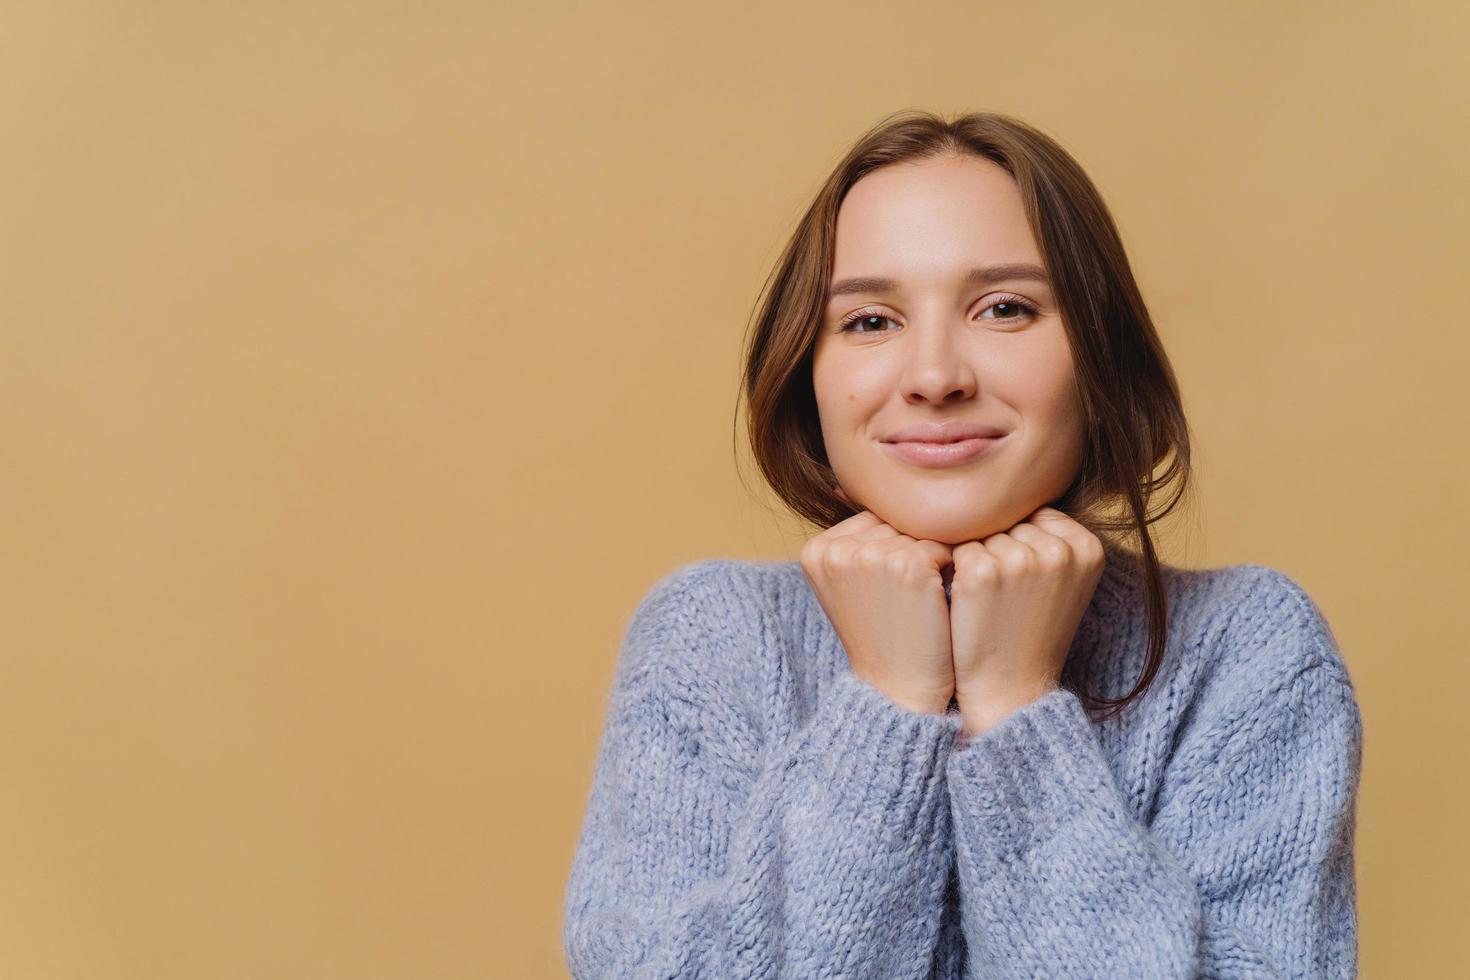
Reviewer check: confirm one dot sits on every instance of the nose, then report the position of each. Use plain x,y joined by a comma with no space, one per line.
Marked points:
935,369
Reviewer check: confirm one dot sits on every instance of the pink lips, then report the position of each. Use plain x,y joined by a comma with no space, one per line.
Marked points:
942,453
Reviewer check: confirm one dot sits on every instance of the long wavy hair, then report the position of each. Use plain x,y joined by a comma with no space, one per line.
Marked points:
1134,414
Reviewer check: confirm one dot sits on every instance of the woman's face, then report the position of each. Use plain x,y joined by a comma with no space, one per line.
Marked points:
945,337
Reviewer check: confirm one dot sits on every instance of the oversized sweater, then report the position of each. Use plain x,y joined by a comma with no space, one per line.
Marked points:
758,810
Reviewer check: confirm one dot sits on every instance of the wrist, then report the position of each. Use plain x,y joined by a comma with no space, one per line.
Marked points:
984,712
924,704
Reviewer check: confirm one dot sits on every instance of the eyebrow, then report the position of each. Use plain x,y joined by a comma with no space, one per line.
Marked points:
982,276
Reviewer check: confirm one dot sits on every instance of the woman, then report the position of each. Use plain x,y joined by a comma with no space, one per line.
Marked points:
881,760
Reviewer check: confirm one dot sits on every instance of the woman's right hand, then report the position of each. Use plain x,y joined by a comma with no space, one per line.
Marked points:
884,593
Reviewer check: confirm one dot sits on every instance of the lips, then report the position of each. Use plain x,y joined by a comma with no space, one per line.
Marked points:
945,431
942,454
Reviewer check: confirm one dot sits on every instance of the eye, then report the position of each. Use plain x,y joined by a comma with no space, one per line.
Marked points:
1013,307
1018,308
848,325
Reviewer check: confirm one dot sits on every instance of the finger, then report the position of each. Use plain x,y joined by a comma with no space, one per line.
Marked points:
1055,550
967,551
974,563
1008,551
1061,525
933,554
863,520
938,552
1051,520
936,548
878,532
897,540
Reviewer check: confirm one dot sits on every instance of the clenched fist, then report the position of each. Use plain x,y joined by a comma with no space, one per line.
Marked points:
884,593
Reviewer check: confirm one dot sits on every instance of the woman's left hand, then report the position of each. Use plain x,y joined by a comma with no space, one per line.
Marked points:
1016,600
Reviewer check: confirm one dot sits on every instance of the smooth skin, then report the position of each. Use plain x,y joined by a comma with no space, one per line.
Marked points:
939,345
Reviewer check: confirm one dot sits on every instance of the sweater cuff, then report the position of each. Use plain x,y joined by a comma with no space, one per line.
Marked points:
866,746
1014,786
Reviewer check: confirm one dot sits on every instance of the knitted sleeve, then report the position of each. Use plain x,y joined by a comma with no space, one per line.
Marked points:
707,850
1244,869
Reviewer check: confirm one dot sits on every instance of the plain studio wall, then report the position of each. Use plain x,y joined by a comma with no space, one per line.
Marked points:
363,364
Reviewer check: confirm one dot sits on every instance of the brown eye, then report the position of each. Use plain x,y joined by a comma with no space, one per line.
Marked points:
856,322
1013,308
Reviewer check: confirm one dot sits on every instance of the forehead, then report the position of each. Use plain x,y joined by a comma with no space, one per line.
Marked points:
932,217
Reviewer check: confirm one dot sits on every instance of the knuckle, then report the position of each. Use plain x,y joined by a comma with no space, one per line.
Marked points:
900,564
980,571
872,554
1092,548
837,554
1055,553
1019,560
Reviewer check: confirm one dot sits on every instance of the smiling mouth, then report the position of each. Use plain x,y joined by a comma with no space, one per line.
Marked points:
943,454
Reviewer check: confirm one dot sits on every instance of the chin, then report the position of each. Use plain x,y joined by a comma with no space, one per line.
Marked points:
931,524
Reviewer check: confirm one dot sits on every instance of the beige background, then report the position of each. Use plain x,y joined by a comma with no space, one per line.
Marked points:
363,364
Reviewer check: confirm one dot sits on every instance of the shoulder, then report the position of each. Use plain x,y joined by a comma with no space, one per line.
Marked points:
1262,638
722,588
688,588
709,617
1264,609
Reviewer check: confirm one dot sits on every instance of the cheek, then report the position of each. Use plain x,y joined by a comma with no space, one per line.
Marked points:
865,384
1041,384
834,401
847,390
1056,408
841,413
1058,401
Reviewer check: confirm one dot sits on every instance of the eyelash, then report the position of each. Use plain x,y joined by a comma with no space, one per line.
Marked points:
845,326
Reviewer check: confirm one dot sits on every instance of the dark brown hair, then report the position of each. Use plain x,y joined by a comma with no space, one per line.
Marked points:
1134,414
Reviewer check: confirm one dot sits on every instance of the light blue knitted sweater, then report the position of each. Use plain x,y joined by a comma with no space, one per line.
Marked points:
757,810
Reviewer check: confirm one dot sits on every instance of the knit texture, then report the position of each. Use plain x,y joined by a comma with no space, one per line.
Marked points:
757,810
